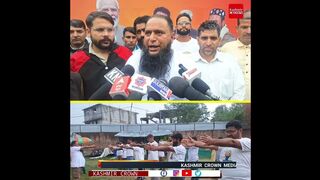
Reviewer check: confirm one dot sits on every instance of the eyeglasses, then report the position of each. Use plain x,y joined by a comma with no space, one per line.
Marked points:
184,23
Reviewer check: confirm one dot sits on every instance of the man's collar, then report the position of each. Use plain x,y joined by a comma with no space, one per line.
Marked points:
73,48
91,51
216,58
241,45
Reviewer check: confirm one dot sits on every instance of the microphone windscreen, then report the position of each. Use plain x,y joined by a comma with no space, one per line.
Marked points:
128,70
178,86
200,85
153,95
192,94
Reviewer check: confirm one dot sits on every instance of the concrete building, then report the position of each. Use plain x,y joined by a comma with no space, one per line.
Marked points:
103,114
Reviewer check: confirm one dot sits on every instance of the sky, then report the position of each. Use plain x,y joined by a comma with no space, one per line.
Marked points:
77,115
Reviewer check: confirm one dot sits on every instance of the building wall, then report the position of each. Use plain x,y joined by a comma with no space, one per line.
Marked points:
102,114
93,113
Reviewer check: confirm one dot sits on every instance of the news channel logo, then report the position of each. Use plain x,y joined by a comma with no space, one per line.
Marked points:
197,173
175,172
140,81
163,173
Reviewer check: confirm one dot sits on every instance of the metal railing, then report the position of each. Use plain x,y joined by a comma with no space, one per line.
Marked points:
96,128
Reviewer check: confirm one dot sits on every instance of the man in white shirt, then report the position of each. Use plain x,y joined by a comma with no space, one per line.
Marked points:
161,156
193,152
219,70
138,152
77,159
152,154
124,154
129,151
184,43
119,150
193,32
233,148
179,151
241,49
157,58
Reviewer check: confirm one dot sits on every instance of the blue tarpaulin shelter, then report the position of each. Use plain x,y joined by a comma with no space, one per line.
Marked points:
144,133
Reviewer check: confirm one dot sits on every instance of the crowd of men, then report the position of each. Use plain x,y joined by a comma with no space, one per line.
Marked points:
159,48
234,147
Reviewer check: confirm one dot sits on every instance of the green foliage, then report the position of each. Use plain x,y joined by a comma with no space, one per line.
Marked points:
223,113
187,113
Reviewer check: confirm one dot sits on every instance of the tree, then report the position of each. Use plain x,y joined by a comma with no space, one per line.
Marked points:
223,113
187,113
237,111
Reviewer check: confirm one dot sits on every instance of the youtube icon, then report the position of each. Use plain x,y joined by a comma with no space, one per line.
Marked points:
187,172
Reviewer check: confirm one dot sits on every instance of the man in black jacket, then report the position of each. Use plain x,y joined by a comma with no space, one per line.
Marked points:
103,55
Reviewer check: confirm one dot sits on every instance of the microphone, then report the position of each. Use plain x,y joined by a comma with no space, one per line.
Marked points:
153,95
139,83
103,92
119,97
190,74
135,96
181,88
203,87
182,69
119,89
159,87
128,70
113,74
